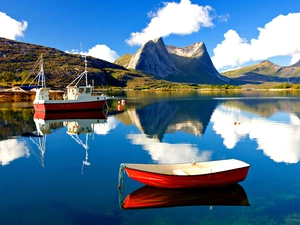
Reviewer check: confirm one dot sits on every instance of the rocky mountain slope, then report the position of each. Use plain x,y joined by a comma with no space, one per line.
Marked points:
266,71
17,60
187,64
153,58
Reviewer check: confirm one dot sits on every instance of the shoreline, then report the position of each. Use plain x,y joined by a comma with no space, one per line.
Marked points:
19,95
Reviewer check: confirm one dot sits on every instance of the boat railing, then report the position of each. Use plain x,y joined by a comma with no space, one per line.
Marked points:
97,92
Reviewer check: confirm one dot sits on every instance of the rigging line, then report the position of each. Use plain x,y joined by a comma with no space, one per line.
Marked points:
79,141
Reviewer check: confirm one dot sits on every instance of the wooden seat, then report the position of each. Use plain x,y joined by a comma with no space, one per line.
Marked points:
179,172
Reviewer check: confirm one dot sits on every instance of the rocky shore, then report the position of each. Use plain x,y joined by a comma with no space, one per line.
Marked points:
16,94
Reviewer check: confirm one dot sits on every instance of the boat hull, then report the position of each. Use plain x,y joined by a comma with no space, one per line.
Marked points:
65,105
191,181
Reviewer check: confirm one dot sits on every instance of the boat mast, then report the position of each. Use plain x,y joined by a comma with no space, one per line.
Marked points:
41,73
85,70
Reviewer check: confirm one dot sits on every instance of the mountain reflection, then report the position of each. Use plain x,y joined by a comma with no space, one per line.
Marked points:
278,136
156,119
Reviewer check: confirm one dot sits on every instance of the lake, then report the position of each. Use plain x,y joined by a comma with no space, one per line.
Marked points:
65,169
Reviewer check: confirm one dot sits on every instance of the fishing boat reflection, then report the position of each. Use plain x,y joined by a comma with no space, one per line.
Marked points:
150,197
77,123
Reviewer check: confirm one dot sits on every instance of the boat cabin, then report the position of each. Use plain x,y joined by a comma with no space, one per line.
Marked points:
73,92
42,94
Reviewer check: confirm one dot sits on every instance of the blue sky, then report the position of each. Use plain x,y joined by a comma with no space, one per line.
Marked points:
236,33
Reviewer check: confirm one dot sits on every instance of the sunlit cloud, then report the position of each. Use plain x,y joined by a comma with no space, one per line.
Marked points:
169,153
104,128
173,18
12,149
279,37
295,58
100,52
278,139
11,28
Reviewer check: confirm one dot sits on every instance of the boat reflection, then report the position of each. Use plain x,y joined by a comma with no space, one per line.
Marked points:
77,123
148,197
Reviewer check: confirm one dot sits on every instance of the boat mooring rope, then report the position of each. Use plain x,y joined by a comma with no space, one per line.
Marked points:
121,184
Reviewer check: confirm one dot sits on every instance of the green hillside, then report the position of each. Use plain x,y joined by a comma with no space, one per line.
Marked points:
265,71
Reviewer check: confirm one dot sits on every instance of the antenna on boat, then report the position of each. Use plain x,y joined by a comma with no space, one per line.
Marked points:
85,70
42,75
85,65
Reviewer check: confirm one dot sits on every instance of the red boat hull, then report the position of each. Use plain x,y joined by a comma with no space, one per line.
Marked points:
192,181
69,106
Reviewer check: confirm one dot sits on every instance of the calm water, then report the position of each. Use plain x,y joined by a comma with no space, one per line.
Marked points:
52,175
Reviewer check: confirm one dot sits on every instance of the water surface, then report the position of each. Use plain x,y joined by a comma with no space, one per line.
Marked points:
65,171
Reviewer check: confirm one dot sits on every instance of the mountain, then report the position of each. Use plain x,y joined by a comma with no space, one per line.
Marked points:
17,60
265,71
188,64
153,58
195,65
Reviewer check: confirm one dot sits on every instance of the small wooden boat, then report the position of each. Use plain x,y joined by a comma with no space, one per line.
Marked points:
190,175
151,197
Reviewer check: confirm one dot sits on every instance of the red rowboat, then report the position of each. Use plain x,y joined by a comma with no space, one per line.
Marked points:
151,197
190,175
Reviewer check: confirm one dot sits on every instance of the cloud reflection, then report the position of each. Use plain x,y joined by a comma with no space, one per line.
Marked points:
169,153
278,137
12,149
104,128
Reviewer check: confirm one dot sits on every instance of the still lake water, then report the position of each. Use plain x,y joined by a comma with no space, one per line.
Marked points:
51,175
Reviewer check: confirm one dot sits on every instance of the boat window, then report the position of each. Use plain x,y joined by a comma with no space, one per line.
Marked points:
88,90
81,90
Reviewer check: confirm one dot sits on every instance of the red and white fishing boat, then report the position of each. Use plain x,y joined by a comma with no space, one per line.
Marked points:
190,175
76,98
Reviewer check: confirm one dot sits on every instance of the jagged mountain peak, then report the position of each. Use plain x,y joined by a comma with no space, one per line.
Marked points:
195,50
158,40
186,64
153,58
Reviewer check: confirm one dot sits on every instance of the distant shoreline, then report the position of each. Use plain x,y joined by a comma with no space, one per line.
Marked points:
19,95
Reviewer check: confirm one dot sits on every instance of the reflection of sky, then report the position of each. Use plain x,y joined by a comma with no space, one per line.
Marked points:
12,149
278,136
169,153
104,128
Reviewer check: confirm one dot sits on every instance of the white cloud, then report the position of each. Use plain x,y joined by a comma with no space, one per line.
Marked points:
281,142
279,37
174,18
11,150
10,28
295,58
99,51
103,52
169,153
105,127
